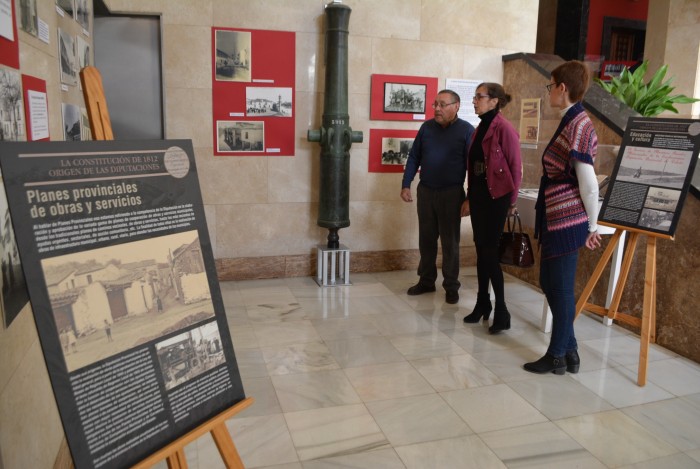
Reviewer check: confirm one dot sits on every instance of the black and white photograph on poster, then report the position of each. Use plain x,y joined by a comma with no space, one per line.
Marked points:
28,17
67,6
71,122
404,97
659,198
14,287
233,56
395,150
66,51
240,136
268,102
654,166
189,354
652,174
11,106
109,300
83,13
656,219
115,236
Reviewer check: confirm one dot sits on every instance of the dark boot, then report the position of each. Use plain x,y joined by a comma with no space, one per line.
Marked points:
501,319
547,364
482,308
572,361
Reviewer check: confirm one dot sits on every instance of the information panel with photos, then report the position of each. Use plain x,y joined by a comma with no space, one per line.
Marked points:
124,292
652,174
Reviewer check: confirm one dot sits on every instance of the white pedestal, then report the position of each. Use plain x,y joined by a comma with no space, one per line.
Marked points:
332,266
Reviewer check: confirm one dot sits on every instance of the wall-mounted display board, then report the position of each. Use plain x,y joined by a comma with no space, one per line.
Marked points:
36,108
402,98
124,292
9,42
253,84
652,174
388,149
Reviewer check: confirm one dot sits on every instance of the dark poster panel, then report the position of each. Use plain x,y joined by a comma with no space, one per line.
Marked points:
652,174
124,292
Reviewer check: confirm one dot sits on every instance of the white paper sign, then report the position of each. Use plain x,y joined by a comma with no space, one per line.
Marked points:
466,89
6,20
38,115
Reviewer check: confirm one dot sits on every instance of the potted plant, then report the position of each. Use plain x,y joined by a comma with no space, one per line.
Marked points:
649,99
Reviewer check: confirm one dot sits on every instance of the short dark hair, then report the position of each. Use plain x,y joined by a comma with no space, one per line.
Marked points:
575,75
454,95
495,90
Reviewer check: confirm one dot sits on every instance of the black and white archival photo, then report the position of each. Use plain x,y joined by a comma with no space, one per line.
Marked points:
656,219
662,199
109,300
240,136
404,97
67,6
71,122
11,106
190,354
82,52
233,58
264,101
85,132
66,49
654,166
14,287
395,150
28,17
83,13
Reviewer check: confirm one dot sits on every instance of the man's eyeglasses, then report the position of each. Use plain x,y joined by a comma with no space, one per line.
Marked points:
442,105
549,87
480,96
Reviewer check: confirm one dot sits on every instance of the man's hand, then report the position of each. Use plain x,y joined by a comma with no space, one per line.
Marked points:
406,194
464,212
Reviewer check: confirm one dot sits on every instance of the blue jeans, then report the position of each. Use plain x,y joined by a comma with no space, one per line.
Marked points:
557,277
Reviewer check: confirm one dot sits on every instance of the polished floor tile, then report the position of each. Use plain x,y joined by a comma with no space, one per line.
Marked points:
615,438
365,376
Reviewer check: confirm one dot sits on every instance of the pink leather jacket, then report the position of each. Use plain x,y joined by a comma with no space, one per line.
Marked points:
504,169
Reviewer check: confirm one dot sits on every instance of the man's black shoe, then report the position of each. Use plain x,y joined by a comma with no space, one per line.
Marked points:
451,297
419,289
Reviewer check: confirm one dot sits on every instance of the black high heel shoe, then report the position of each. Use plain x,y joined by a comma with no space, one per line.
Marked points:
482,309
501,320
573,361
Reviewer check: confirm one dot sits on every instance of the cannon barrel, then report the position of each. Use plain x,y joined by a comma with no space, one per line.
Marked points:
335,135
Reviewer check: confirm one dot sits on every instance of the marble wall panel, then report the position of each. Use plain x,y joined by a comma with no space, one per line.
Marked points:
232,179
293,178
376,226
299,15
399,19
402,57
188,115
187,56
309,62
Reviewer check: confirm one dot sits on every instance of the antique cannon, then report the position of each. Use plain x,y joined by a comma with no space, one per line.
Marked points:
335,135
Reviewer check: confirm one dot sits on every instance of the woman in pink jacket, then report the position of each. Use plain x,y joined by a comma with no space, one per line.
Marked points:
494,173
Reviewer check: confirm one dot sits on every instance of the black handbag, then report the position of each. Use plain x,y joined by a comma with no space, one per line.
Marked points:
515,247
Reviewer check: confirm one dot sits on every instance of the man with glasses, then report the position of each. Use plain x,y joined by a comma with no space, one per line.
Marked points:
438,150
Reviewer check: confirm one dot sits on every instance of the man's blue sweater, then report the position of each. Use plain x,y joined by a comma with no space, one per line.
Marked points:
440,154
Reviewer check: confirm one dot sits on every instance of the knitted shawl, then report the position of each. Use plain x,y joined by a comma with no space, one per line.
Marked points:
562,222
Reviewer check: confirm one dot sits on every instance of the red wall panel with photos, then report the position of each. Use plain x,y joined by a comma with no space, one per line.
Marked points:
253,92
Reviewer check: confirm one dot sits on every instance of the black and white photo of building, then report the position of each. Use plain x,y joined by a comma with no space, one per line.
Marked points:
66,50
28,17
67,6
71,122
233,55
240,136
11,106
265,101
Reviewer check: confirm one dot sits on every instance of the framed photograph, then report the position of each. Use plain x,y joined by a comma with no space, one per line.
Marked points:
83,13
268,102
402,98
233,55
68,64
388,149
28,17
71,122
240,136
11,106
67,6
652,174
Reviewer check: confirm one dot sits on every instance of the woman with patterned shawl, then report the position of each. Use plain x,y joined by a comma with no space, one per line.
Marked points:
567,212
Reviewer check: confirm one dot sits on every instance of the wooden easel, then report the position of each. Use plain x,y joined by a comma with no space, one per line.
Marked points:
96,104
173,453
648,320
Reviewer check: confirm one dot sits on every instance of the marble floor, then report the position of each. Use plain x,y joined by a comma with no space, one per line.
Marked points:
365,376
